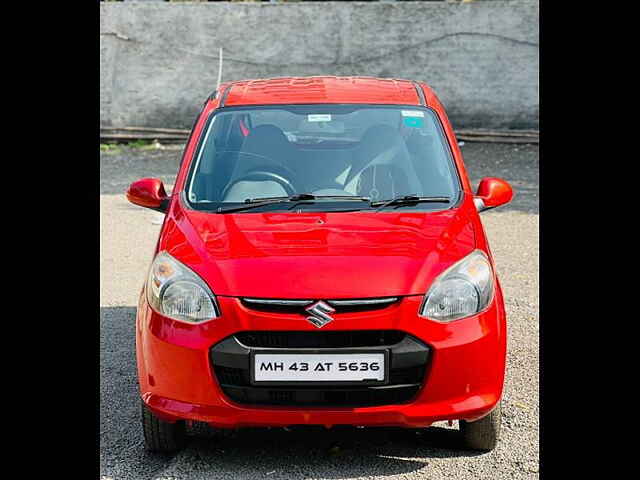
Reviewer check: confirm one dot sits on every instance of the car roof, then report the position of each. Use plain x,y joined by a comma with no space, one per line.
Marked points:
321,89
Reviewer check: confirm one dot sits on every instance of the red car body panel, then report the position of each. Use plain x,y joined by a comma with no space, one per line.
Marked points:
389,255
322,90
322,256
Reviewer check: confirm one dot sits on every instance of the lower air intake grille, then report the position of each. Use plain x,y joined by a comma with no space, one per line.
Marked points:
408,359
328,339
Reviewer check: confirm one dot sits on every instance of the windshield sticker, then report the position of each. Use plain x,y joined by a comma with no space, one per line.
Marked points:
412,113
319,118
414,122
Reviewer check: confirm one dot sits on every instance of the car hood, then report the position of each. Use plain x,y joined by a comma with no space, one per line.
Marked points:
318,255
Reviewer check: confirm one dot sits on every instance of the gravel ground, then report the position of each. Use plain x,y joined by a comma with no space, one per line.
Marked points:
128,236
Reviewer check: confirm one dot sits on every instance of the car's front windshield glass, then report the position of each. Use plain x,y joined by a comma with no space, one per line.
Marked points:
373,151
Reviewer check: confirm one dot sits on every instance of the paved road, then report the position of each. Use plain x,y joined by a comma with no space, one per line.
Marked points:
128,236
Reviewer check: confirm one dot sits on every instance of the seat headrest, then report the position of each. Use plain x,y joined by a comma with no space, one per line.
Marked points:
266,140
375,141
379,138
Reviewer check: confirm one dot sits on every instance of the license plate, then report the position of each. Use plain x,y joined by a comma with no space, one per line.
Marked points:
326,367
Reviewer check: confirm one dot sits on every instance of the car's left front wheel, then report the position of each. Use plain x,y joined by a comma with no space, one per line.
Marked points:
483,434
162,436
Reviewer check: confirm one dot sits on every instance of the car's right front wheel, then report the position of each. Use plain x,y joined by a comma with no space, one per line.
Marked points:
161,436
482,434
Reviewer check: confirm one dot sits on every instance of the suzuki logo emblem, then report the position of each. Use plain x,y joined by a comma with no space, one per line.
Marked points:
319,311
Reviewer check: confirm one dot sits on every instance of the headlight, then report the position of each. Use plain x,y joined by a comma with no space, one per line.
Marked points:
463,289
175,291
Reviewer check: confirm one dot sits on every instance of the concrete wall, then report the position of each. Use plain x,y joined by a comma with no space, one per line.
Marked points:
158,61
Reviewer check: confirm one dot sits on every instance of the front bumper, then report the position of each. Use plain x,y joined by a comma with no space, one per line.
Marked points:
463,375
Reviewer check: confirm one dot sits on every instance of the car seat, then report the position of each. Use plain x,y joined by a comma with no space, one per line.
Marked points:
381,165
265,149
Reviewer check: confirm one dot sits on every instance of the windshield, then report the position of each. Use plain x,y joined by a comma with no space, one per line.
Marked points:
372,151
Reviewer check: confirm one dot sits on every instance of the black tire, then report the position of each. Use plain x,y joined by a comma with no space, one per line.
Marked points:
482,434
161,436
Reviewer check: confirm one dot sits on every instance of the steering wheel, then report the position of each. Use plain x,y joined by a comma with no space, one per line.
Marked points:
260,176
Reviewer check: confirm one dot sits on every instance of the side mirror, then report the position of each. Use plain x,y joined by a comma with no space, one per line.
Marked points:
149,193
492,192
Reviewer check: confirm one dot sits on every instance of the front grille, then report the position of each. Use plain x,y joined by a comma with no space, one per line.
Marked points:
328,339
231,376
408,359
270,305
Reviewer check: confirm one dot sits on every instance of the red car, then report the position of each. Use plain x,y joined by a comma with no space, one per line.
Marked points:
321,262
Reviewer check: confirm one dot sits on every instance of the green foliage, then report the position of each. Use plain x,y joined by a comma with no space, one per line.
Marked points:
142,144
109,148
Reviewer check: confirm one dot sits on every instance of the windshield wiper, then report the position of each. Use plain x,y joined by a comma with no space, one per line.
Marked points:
311,196
407,200
251,203
304,197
